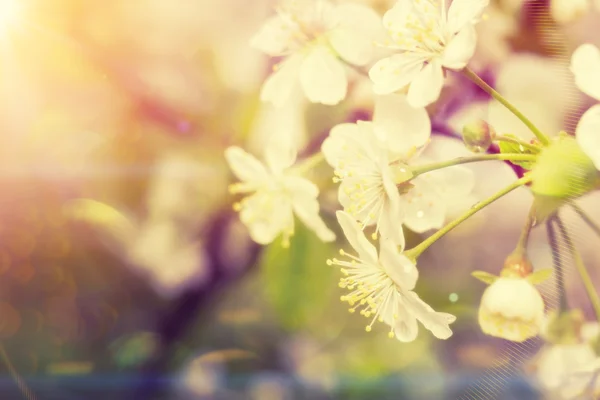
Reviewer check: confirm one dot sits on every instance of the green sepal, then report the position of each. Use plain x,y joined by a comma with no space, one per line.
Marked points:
484,277
539,276
515,148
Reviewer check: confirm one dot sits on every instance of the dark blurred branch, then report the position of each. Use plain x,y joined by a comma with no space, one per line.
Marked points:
557,264
185,310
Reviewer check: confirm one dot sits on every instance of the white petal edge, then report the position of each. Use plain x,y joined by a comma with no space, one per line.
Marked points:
585,65
323,77
588,134
356,237
427,85
460,49
244,165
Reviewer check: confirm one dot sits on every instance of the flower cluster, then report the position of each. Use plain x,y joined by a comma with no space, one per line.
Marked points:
387,176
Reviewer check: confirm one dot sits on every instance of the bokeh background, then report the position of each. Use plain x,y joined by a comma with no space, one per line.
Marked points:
124,271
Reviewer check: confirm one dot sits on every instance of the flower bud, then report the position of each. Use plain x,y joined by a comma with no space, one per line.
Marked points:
478,136
511,308
563,171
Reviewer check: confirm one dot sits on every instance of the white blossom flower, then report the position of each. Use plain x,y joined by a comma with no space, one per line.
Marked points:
428,199
275,194
511,308
567,369
585,65
367,185
372,161
313,35
381,286
429,38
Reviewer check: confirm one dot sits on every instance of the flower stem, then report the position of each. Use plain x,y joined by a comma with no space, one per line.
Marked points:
521,143
521,248
309,163
489,90
585,276
586,218
557,265
421,169
416,251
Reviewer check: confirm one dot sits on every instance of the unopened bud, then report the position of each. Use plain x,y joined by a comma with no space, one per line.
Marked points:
563,171
478,136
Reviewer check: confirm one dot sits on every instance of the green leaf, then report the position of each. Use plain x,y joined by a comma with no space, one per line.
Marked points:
484,277
102,216
297,280
134,349
514,148
540,276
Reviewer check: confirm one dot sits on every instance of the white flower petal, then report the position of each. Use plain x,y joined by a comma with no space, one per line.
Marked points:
436,322
307,209
274,36
453,181
390,224
356,237
394,73
405,326
585,65
406,127
460,49
588,134
462,12
298,186
396,18
333,145
323,77
266,216
280,152
427,85
397,266
282,83
357,27
425,209
244,165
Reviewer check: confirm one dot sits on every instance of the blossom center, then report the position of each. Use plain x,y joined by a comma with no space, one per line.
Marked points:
372,292
423,29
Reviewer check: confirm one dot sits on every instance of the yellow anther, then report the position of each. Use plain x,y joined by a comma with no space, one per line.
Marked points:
391,335
368,328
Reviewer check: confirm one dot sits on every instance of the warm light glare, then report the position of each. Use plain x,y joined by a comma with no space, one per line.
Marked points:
10,11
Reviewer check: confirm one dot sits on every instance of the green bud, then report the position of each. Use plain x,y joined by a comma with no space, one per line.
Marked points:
478,136
563,171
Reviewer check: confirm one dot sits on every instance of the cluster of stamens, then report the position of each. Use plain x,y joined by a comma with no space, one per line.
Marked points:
371,291
365,190
259,204
423,29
